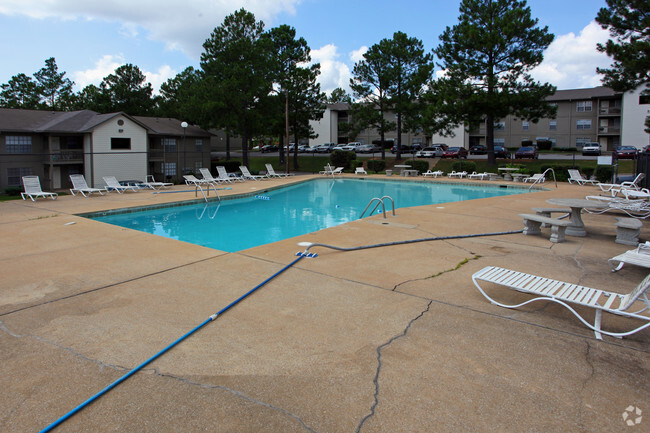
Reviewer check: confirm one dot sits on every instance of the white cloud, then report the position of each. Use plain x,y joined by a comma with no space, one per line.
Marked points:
570,61
180,24
357,55
334,73
103,67
109,63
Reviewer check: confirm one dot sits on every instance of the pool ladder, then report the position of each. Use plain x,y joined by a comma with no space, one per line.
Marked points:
380,201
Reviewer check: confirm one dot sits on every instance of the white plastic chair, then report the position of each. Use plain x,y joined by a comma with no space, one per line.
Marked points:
113,185
575,176
247,174
32,185
546,289
79,184
271,172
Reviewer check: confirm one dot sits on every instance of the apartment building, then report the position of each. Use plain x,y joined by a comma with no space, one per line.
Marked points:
54,145
596,114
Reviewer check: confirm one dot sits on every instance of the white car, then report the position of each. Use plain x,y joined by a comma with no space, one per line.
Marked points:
430,152
591,149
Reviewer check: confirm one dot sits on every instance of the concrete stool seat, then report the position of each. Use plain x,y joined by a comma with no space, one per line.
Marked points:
628,230
533,223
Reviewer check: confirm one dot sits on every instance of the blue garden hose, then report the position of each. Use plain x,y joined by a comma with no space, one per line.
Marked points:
157,355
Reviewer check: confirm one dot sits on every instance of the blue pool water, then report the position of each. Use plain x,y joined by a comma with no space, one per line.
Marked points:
234,225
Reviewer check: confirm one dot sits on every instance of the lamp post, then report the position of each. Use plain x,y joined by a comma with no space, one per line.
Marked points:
184,126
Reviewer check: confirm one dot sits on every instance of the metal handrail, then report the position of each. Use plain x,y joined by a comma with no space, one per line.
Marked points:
380,201
543,176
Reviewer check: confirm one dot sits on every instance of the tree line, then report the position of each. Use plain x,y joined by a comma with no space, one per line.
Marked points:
254,82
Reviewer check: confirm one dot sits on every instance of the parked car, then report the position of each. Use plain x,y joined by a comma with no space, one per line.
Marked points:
501,152
430,152
527,152
269,148
455,152
349,147
478,149
368,148
626,152
324,148
591,149
646,149
406,149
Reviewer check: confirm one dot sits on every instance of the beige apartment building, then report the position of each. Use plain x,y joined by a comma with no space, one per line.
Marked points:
596,114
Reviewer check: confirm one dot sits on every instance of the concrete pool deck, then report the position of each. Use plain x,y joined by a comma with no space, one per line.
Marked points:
392,339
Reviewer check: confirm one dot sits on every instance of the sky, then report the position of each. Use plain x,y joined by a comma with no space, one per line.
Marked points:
91,38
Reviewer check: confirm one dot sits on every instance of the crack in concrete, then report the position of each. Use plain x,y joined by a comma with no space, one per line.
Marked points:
237,394
373,407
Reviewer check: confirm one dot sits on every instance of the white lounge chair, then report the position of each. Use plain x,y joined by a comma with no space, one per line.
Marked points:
458,174
151,183
247,174
326,170
270,172
32,185
208,176
79,184
639,256
360,170
636,208
575,176
537,178
546,289
113,185
224,176
615,188
190,179
433,173
481,176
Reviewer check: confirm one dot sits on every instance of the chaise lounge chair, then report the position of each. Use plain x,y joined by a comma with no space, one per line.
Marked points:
435,174
360,170
614,188
224,176
247,174
270,172
151,183
480,176
575,176
208,176
458,174
546,289
536,178
640,256
113,185
79,184
32,185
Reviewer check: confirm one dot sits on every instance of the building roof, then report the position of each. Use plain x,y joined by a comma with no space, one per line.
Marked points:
590,93
83,121
170,126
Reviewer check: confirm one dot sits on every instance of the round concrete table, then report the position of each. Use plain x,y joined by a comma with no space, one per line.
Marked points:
507,175
577,227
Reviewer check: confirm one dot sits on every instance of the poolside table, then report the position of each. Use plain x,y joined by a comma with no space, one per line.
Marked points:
507,175
404,169
577,227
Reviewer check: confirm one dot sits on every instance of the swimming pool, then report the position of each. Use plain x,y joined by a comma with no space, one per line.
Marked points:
238,224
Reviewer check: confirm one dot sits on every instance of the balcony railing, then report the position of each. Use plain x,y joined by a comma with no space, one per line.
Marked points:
609,130
610,110
67,156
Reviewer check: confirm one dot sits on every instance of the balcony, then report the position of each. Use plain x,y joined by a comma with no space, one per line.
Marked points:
67,157
616,130
610,111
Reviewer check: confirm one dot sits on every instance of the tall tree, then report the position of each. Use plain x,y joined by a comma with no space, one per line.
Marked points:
237,64
180,97
56,90
486,59
371,84
411,70
339,95
126,90
296,82
628,22
20,92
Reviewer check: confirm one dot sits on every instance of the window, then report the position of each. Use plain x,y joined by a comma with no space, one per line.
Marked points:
525,125
583,106
581,141
18,144
120,143
552,125
170,169
14,175
583,124
169,144
198,144
500,142
499,126
644,99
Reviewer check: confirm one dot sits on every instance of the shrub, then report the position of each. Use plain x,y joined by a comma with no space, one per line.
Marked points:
544,144
604,173
356,163
342,158
588,172
376,165
232,165
13,190
419,165
468,166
